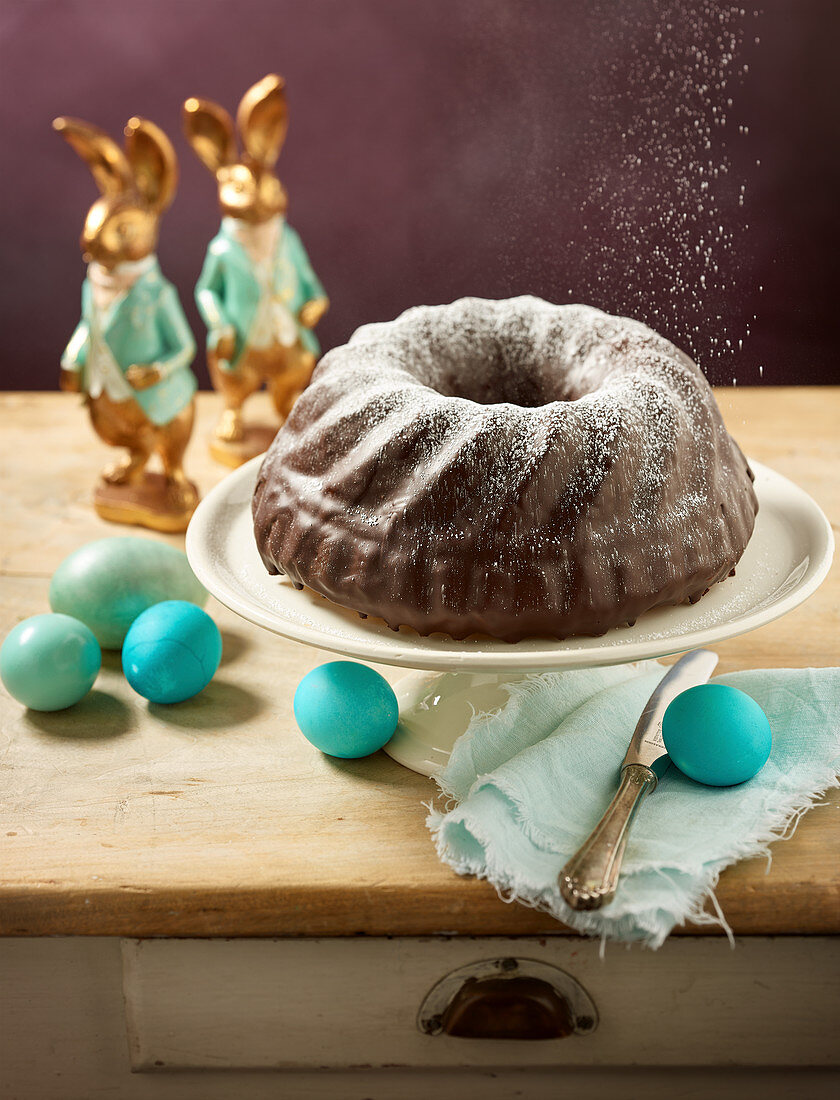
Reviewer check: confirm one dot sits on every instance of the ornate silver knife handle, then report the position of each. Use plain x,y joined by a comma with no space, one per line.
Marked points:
589,879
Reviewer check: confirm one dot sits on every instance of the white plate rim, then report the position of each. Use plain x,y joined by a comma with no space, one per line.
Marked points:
553,655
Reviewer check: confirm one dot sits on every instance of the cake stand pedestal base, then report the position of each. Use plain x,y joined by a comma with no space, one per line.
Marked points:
436,708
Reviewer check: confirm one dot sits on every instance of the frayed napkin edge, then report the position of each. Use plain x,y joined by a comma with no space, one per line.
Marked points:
780,825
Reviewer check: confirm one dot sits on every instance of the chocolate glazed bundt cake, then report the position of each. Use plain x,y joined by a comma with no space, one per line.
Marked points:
511,468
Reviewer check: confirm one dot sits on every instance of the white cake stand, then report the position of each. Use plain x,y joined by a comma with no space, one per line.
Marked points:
787,558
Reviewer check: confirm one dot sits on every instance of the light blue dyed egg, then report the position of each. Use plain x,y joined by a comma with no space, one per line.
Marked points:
717,735
108,583
346,709
171,652
49,662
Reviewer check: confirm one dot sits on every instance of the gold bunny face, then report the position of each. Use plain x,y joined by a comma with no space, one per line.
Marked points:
116,232
248,187
250,194
137,185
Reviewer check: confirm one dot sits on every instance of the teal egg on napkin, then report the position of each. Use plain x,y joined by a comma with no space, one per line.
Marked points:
717,735
108,583
49,662
171,652
346,709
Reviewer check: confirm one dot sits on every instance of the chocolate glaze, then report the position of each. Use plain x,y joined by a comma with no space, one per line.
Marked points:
508,468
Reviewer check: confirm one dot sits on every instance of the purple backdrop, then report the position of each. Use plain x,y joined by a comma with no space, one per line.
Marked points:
452,147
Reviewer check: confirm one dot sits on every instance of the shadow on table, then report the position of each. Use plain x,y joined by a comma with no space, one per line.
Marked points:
97,717
379,770
220,707
234,646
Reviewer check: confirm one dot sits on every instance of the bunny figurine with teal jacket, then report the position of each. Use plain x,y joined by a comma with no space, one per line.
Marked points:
146,324
257,292
131,352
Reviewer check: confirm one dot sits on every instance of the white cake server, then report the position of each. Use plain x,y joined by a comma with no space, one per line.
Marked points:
590,877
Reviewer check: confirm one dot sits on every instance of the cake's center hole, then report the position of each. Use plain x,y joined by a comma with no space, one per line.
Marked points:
497,381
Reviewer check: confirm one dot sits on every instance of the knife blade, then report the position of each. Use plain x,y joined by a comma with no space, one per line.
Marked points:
589,879
646,744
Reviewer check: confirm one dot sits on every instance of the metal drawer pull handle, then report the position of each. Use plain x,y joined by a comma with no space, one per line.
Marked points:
519,999
508,1008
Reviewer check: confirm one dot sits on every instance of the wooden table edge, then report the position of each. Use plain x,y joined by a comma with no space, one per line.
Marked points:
307,911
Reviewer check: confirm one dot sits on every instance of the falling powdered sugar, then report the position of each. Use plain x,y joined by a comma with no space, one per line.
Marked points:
664,219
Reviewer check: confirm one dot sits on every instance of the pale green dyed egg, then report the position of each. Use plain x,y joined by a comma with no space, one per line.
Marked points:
108,583
49,662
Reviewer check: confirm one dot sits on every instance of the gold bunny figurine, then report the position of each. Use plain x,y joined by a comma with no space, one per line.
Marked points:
257,292
131,352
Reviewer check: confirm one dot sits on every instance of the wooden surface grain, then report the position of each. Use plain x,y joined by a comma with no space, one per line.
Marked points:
216,818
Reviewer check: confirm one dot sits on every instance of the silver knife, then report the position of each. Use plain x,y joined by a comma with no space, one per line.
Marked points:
590,877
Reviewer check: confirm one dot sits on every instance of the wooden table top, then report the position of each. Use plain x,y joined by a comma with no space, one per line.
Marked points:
216,817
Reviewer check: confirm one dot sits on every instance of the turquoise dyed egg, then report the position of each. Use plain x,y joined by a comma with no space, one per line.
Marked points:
49,662
108,583
717,735
171,652
346,709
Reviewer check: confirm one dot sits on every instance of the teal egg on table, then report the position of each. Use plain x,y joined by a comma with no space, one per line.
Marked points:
49,662
108,583
171,652
717,735
346,709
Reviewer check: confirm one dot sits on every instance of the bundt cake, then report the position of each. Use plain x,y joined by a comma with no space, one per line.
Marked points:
511,468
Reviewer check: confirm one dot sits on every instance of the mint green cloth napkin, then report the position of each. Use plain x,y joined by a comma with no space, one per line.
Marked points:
525,785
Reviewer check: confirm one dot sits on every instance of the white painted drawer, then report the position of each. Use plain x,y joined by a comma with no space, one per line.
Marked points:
339,1003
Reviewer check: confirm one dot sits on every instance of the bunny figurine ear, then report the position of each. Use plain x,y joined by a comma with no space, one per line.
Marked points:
209,129
103,156
152,160
263,119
